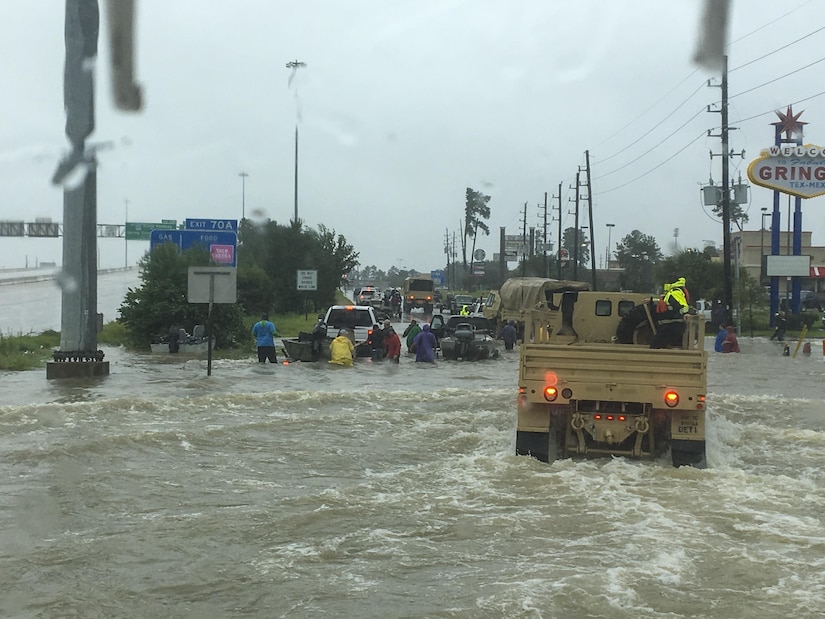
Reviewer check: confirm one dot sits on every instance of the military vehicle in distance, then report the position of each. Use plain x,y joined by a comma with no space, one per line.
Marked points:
590,385
518,296
418,291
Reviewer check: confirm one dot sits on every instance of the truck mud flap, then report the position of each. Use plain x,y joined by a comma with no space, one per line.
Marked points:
533,444
688,453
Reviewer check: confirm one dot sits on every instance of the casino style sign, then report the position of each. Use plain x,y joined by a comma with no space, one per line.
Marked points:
792,169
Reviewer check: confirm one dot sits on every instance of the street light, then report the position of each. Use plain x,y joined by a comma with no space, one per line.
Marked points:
609,230
125,238
243,176
295,65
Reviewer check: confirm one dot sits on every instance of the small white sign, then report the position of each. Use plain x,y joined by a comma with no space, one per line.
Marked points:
308,280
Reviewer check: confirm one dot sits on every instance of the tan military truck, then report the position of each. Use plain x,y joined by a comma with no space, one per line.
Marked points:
590,385
418,291
519,296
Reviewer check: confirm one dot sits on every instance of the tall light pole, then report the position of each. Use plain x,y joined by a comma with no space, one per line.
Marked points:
607,254
295,65
125,238
243,176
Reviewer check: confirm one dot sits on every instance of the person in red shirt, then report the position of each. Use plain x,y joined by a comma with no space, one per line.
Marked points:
731,344
392,345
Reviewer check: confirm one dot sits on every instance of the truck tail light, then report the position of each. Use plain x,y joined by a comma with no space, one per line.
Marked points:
671,398
602,416
550,393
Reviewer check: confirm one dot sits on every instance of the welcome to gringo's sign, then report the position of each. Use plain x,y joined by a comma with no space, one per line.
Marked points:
796,170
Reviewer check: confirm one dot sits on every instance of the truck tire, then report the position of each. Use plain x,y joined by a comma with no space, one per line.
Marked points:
634,327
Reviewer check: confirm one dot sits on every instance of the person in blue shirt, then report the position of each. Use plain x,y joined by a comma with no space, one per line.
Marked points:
720,339
265,332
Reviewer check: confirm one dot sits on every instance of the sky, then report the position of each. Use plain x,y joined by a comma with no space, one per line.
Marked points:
403,105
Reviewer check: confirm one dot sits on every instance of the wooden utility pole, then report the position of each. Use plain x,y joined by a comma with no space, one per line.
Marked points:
577,240
592,225
524,241
558,251
545,268
727,288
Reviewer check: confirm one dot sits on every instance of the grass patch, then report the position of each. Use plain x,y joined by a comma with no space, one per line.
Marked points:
27,352
113,334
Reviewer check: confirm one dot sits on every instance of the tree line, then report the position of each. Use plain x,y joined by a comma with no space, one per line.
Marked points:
269,258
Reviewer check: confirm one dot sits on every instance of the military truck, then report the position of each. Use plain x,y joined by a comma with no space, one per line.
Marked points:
518,296
418,291
590,385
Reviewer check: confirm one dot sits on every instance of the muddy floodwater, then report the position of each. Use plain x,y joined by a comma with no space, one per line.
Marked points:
392,491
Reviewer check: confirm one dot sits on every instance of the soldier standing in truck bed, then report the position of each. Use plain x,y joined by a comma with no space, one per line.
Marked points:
670,315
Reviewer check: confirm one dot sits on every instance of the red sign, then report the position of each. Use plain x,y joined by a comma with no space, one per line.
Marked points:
222,254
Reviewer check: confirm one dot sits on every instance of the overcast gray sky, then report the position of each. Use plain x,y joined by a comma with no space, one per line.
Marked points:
405,104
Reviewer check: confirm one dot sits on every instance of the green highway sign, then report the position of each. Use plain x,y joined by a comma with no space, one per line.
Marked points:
142,231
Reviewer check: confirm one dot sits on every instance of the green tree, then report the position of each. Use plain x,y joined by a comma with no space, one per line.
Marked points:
476,211
638,254
703,275
571,238
272,255
161,300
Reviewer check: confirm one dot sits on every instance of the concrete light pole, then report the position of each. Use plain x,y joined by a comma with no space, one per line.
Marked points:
295,65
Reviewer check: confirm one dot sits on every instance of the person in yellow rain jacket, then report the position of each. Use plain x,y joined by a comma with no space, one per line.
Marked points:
342,350
670,315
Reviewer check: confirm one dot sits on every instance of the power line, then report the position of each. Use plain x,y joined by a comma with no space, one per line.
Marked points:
651,149
770,23
641,137
656,167
654,127
776,79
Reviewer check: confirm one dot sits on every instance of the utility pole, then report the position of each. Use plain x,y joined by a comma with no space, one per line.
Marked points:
524,241
558,252
502,258
727,289
295,65
592,225
447,251
577,240
545,269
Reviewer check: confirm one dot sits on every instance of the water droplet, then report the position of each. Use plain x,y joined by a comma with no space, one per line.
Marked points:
66,282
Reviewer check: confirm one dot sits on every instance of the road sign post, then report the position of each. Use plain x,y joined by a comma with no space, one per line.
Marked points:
211,285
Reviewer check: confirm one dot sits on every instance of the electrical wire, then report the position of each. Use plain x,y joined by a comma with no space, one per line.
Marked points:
656,167
650,150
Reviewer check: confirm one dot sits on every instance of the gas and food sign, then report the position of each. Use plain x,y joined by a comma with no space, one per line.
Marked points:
792,169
